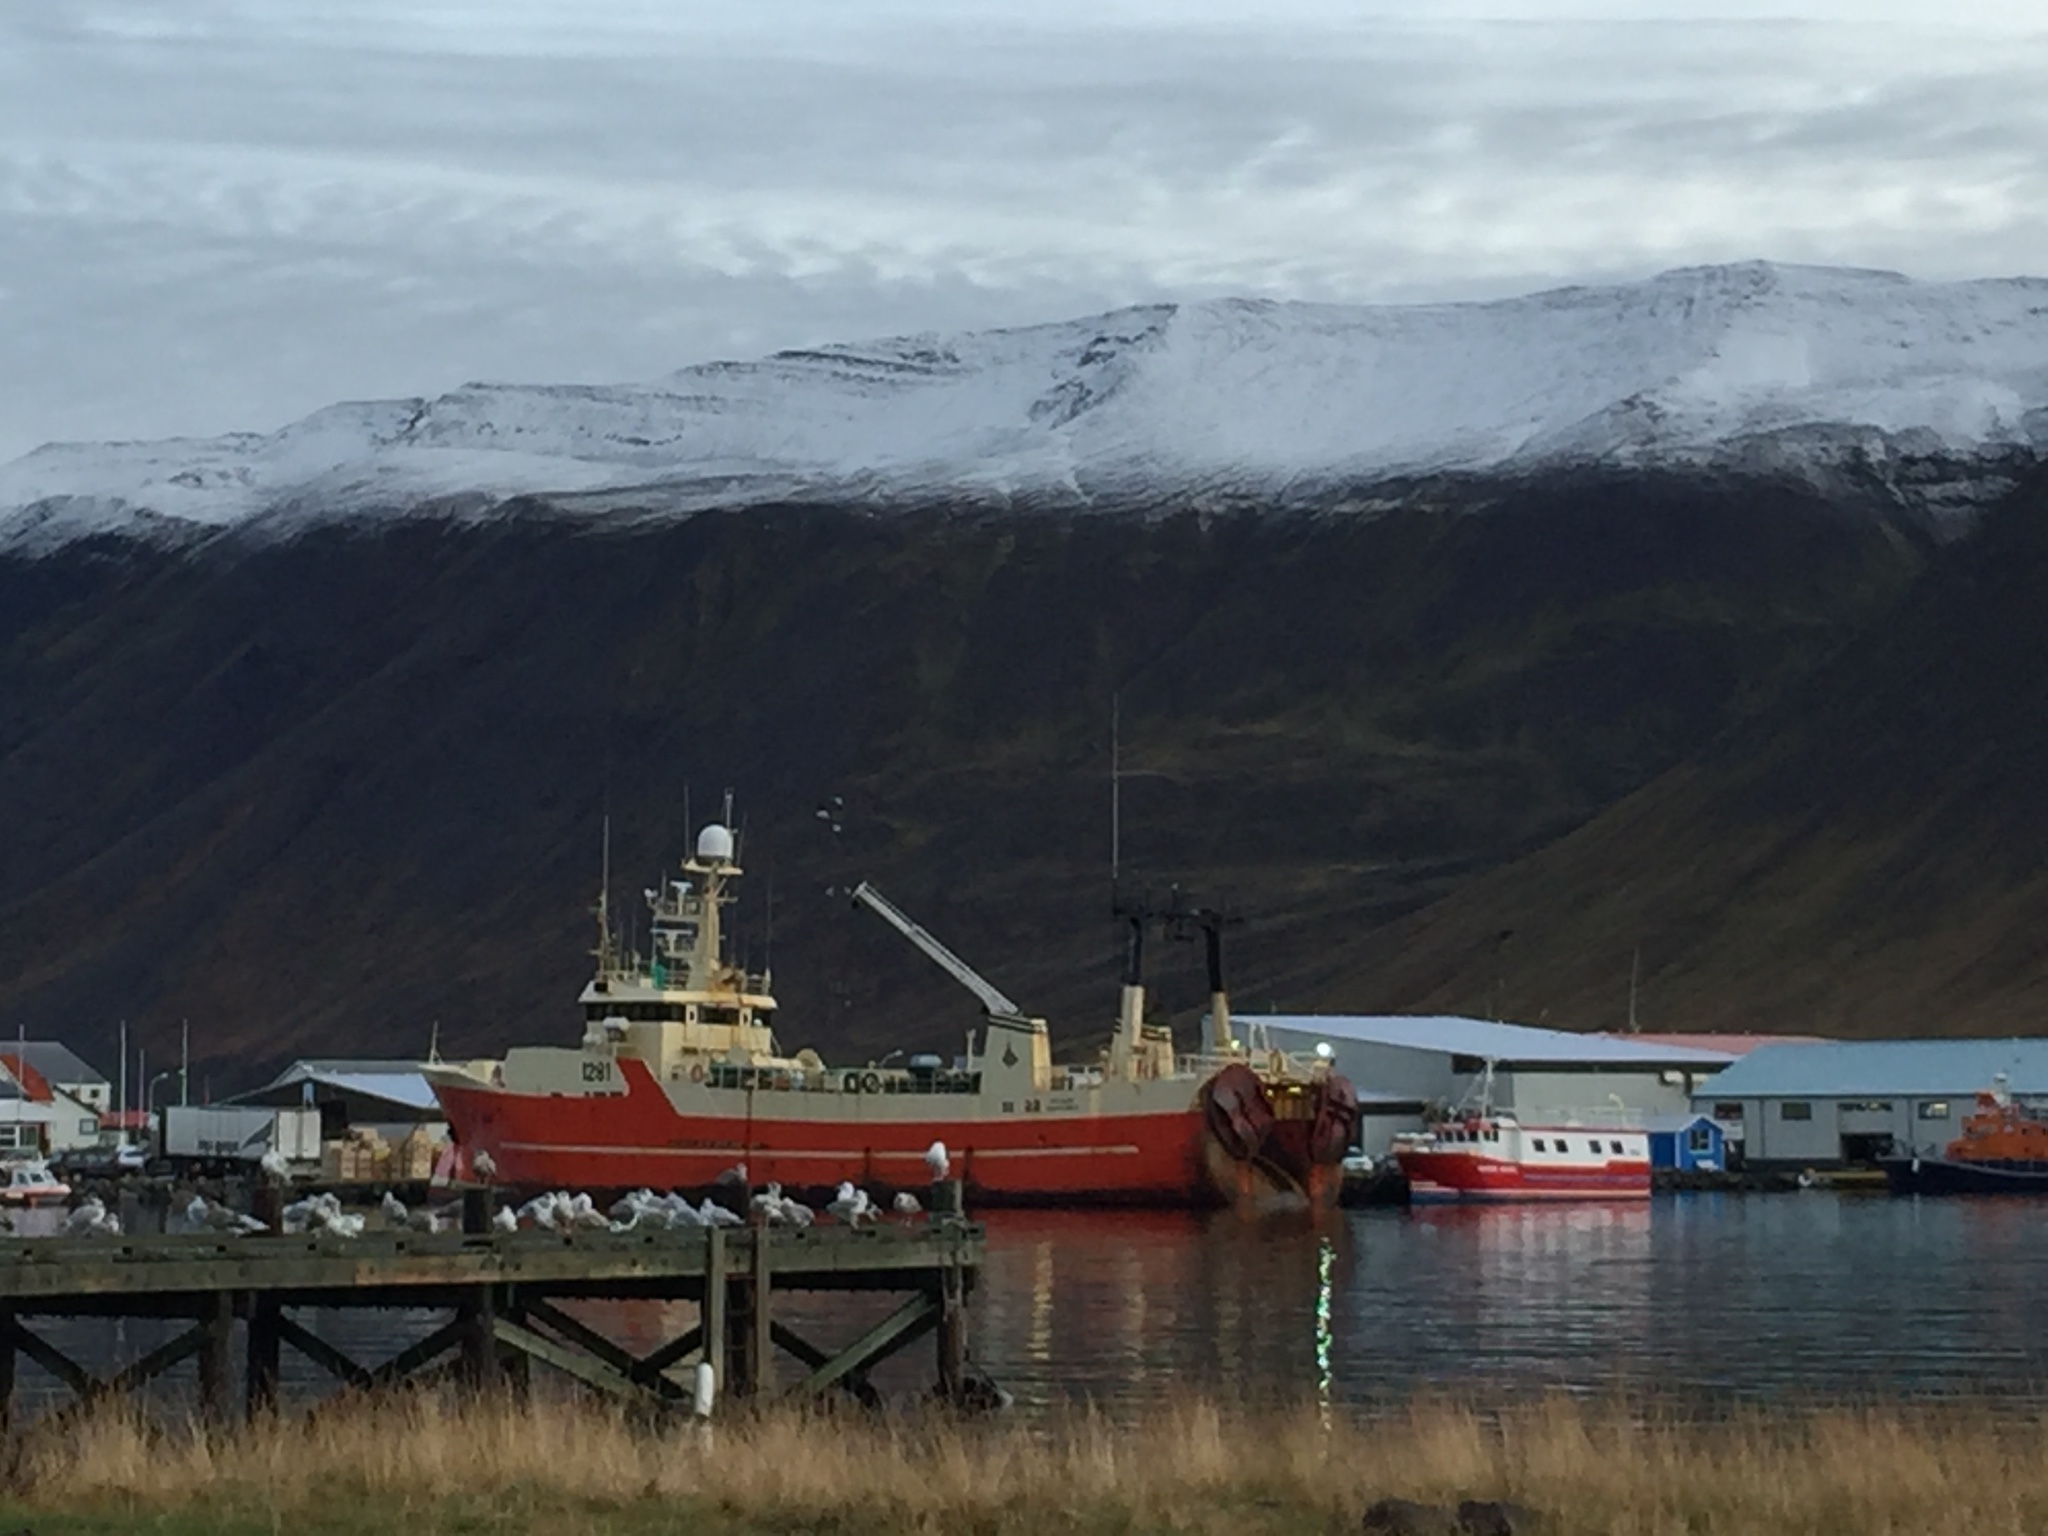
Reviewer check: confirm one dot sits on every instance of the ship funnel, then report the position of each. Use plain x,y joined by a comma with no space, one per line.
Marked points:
714,844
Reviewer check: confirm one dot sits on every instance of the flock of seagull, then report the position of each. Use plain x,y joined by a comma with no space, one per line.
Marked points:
640,1210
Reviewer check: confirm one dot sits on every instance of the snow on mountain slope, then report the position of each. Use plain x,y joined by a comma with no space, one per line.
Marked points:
1716,364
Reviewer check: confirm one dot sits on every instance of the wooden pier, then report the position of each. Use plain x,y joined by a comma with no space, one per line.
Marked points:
502,1294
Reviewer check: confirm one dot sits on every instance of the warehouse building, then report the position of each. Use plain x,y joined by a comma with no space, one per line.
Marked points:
1847,1103
1406,1066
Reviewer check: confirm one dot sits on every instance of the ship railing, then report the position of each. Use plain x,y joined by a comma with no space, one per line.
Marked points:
1594,1117
1270,1062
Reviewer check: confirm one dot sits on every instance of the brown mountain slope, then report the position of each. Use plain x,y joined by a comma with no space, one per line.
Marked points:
318,796
1869,858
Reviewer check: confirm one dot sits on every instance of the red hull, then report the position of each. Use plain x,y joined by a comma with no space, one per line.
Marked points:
1461,1175
639,1139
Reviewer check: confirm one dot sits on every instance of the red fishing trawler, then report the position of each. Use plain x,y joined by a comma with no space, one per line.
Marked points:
679,1083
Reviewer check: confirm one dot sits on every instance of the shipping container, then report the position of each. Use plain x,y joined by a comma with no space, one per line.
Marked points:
240,1133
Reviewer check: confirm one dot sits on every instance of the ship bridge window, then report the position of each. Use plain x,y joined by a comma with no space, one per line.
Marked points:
1615,1146
726,1016
1934,1109
1540,1147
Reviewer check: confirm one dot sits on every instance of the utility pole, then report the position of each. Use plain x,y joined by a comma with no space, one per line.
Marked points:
184,1062
121,1103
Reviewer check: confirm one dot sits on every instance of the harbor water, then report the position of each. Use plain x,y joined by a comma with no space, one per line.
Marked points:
1712,1300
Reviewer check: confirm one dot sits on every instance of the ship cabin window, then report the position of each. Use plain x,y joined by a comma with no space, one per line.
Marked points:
1795,1109
1540,1147
639,1013
1493,1135
1934,1109
1615,1147
725,1016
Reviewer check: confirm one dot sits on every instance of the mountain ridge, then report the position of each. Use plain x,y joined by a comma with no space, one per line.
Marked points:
1933,392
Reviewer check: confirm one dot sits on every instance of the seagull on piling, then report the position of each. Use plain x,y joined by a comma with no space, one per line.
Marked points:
484,1166
936,1160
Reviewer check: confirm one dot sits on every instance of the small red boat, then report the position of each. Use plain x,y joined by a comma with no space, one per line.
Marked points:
680,1083
1493,1156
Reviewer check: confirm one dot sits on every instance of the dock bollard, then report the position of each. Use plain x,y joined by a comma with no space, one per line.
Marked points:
946,1199
476,1210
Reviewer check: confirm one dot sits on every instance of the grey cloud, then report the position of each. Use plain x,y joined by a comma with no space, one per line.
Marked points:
229,217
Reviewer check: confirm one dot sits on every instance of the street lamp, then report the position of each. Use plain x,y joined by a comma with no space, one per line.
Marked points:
149,1094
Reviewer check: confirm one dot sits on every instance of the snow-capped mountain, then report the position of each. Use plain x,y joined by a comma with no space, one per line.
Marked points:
1789,369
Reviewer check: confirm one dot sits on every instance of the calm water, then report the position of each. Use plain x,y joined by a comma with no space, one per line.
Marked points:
1719,1298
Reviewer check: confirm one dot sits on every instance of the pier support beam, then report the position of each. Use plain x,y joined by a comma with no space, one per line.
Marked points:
479,1314
6,1371
266,1352
216,1342
714,1309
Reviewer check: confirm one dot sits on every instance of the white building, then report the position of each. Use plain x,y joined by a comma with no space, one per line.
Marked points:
1404,1066
50,1101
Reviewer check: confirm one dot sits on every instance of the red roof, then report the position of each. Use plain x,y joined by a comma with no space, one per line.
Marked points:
33,1084
124,1120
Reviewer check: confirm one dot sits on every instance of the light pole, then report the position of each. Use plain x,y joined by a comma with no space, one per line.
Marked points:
149,1098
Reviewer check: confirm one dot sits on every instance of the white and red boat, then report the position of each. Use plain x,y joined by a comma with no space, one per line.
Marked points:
1490,1155
679,1083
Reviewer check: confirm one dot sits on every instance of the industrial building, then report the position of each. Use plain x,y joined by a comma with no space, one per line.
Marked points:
1405,1066
389,1097
1847,1103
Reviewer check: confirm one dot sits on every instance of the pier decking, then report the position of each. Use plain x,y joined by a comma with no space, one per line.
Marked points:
502,1292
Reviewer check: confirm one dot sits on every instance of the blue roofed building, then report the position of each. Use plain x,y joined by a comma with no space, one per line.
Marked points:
1405,1065
1846,1103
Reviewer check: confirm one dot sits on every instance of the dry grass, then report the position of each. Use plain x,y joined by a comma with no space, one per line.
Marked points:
424,1465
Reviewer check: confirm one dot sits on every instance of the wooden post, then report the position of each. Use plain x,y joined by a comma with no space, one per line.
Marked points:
6,1370
945,1198
714,1308
266,1346
952,1333
476,1211
480,1340
760,1346
216,1357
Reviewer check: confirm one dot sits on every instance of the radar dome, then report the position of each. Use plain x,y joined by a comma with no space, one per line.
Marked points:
714,844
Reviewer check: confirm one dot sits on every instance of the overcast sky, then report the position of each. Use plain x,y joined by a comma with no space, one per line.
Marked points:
222,214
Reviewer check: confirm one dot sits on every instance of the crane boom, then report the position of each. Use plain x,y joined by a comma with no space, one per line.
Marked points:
993,1002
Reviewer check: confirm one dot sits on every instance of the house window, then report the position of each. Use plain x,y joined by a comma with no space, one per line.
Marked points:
1700,1140
1934,1109
1795,1109
1727,1111
1866,1107
88,1127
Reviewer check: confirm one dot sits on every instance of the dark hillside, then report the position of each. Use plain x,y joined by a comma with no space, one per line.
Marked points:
318,795
1869,857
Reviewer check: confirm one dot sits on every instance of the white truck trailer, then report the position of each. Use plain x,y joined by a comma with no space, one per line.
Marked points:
240,1133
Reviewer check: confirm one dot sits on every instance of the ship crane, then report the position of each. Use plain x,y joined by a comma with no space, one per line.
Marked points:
993,1002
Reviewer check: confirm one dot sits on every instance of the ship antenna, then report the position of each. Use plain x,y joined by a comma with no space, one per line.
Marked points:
1635,966
604,897
1116,807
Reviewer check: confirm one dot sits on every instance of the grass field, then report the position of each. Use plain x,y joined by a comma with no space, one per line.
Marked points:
427,1465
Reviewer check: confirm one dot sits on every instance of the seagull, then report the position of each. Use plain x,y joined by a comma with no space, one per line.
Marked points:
712,1214
394,1210
276,1164
936,1160
321,1213
583,1212
908,1207
91,1219
505,1220
484,1166
850,1205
